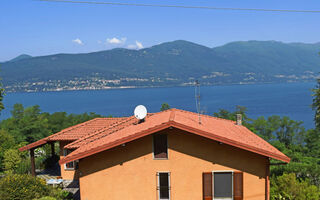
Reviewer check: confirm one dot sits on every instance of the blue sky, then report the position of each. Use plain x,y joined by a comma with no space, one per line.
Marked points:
42,28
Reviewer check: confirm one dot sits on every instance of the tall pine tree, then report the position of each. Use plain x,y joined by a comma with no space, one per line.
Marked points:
316,104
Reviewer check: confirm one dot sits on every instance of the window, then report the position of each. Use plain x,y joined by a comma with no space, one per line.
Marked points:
160,146
163,185
70,165
222,185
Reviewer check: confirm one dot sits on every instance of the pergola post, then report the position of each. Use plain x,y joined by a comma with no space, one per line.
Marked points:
52,149
33,165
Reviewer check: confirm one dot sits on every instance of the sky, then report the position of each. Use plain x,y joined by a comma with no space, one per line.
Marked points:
43,28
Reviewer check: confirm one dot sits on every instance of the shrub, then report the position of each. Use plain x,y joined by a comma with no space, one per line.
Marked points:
46,198
11,160
23,167
288,187
60,194
26,187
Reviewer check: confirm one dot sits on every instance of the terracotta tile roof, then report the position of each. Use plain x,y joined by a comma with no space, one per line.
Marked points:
217,129
75,132
102,132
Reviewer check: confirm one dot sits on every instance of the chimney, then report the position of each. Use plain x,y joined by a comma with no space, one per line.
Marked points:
239,119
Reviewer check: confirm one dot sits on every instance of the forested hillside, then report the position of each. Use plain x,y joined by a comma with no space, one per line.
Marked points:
168,64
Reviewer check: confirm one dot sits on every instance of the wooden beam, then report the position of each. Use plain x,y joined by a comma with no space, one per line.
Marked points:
33,165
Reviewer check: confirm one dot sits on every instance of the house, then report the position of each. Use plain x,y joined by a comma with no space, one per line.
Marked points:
171,155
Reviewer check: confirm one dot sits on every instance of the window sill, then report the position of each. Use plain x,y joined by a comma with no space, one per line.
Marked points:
69,169
161,159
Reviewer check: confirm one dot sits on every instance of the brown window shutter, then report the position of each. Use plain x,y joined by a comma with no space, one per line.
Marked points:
207,185
238,185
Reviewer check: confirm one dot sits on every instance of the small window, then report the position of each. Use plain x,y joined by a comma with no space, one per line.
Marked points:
164,185
160,146
222,185
70,165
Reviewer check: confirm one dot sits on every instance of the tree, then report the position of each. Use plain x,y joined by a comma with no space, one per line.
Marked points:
312,141
290,131
164,106
316,103
225,114
6,142
18,111
266,128
288,187
1,97
11,160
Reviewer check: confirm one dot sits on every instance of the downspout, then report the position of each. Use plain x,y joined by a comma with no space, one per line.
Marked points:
267,180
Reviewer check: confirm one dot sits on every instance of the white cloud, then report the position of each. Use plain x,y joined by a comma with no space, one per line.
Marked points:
77,41
116,40
138,45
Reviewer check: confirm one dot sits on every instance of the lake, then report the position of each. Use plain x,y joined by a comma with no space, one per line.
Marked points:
287,99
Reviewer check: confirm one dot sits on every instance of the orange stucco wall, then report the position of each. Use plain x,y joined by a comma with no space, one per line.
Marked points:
67,174
129,172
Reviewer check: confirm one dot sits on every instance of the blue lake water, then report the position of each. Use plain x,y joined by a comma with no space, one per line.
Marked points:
286,99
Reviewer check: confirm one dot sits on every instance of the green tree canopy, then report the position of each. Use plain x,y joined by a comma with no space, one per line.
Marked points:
288,187
316,103
164,106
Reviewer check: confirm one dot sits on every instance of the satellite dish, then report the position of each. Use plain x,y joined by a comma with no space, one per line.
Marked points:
140,112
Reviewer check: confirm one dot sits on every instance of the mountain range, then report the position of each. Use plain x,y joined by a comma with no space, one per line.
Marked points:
168,64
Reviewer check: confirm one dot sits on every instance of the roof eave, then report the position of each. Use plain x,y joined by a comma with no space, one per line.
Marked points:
230,142
33,145
179,126
115,143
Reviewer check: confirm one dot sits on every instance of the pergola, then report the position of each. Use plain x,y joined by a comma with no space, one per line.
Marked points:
70,134
31,147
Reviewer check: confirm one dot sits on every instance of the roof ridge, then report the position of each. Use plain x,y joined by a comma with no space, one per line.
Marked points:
172,115
218,118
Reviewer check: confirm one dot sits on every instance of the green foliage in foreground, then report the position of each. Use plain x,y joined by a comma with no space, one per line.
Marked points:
287,187
26,187
46,198
12,159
